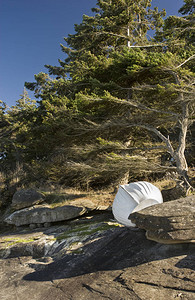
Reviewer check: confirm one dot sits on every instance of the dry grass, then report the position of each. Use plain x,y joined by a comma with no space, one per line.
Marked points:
2,180
165,184
59,195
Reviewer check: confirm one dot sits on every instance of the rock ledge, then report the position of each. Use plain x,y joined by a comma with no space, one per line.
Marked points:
169,222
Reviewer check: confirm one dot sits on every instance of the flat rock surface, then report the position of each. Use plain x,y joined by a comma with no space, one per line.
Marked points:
91,257
119,263
43,214
170,222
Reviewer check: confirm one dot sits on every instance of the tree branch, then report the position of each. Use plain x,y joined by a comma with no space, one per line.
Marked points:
127,38
161,136
190,58
141,106
147,46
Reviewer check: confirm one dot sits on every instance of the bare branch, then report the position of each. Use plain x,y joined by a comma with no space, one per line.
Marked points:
147,46
141,106
184,122
134,46
99,127
160,135
190,58
174,74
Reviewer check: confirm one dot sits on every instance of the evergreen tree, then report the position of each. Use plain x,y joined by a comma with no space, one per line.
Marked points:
17,126
116,23
118,90
188,7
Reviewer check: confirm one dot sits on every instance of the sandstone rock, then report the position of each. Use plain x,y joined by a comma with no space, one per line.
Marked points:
44,214
170,222
26,198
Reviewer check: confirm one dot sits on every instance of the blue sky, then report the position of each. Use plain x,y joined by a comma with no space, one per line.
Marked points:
31,32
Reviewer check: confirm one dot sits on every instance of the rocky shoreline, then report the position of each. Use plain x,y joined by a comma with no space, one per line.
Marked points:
93,257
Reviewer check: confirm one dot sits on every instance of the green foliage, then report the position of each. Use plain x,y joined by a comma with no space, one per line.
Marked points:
188,7
88,126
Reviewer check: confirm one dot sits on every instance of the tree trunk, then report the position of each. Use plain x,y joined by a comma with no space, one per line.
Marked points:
128,32
179,154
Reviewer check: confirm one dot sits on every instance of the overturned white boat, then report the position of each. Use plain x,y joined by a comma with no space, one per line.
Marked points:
134,197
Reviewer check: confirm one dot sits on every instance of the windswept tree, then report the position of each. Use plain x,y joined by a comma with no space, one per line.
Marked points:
121,93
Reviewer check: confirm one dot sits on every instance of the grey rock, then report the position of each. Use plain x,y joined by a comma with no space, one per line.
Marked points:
82,262
26,198
32,226
170,222
44,214
39,225
120,264
47,224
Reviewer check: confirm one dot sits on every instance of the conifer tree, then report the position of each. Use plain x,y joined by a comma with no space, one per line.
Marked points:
121,86
16,127
116,23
